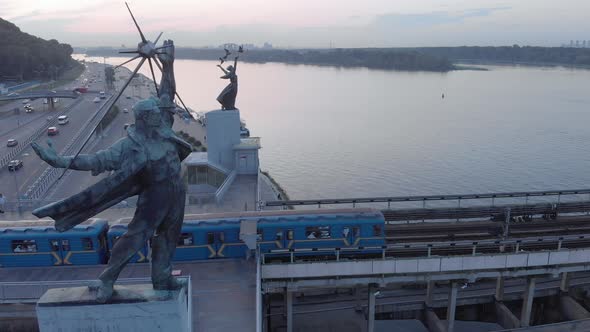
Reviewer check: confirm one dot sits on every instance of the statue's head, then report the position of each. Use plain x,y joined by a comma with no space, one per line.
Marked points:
230,68
147,113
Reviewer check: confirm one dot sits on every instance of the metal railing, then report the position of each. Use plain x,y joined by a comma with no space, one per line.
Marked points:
424,199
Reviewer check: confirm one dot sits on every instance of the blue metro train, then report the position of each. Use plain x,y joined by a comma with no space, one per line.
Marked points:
204,236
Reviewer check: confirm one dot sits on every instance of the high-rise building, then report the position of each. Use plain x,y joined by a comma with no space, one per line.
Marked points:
571,43
577,43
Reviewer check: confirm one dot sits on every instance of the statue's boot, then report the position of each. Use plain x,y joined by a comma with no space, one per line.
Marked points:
104,292
171,283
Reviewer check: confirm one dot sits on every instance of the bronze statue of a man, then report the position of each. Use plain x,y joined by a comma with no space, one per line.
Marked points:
145,163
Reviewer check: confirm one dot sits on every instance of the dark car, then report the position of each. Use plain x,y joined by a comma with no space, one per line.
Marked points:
14,165
52,131
11,142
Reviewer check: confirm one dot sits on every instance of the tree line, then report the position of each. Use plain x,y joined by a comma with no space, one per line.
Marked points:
24,57
439,59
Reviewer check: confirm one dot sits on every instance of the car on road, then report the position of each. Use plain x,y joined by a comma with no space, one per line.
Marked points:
81,89
125,110
45,101
62,119
128,97
11,142
125,126
52,131
14,165
29,108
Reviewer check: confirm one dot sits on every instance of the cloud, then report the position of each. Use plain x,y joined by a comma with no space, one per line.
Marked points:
431,19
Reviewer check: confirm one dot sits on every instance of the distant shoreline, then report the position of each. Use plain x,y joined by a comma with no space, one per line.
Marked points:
426,59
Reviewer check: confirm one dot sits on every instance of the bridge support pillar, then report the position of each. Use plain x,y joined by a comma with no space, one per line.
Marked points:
527,304
452,307
429,294
433,322
564,286
499,296
371,308
571,309
506,318
289,309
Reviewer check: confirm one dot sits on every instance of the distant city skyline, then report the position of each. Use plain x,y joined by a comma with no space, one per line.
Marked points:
306,23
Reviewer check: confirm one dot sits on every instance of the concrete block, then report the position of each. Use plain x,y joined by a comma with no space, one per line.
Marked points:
559,257
406,266
429,265
384,266
579,256
516,260
451,264
495,262
473,263
538,258
133,308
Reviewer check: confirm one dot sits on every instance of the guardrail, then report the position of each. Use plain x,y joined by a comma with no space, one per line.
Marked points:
50,174
424,199
42,129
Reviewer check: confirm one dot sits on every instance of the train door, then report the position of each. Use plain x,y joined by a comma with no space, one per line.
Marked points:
214,241
352,235
284,238
60,249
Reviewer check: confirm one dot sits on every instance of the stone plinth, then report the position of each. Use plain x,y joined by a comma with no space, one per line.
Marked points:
132,308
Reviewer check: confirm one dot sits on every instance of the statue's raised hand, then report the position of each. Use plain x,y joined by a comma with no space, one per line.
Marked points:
49,155
166,54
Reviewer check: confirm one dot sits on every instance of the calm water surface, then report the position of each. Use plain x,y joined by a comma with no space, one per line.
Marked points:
329,132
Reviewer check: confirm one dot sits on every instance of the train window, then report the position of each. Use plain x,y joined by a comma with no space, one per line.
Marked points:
65,245
376,230
54,244
24,246
221,237
87,243
210,238
290,235
319,232
185,239
259,235
356,231
279,235
345,232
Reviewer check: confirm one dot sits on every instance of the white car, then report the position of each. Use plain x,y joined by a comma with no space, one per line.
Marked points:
62,119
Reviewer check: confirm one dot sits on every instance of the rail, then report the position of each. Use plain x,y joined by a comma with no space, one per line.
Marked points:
429,249
424,199
23,145
50,174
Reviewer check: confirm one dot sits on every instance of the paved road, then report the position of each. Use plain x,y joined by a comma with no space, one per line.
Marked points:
19,181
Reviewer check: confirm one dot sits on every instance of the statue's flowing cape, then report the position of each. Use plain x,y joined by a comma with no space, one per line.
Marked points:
122,184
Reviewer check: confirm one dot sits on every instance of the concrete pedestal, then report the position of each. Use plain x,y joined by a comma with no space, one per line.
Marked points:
223,133
132,308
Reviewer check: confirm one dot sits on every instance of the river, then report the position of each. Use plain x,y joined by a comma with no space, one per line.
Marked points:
332,133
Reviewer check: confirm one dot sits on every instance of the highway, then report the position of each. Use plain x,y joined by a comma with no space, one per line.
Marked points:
22,125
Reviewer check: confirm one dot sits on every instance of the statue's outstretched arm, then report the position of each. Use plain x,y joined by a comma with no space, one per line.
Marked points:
225,71
167,82
104,160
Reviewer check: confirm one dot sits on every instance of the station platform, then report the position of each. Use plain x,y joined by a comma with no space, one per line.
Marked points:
223,291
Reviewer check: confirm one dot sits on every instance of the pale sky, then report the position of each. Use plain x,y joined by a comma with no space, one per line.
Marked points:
306,23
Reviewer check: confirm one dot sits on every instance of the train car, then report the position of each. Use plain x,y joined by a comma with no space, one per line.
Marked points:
218,235
116,230
37,243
